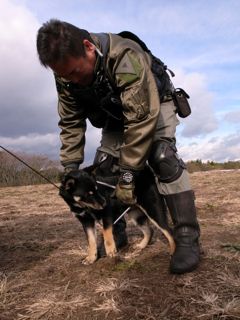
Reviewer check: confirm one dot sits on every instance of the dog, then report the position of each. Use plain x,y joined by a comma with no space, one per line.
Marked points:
90,197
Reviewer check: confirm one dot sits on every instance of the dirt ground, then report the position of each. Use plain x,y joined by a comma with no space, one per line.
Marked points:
42,277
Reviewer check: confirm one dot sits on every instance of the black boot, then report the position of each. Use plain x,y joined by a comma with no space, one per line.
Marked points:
186,232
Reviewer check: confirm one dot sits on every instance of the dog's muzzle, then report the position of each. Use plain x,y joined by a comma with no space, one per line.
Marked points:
96,202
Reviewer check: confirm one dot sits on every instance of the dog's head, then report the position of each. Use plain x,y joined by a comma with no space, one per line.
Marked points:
79,189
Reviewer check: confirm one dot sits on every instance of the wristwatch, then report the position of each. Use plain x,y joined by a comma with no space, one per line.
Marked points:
127,177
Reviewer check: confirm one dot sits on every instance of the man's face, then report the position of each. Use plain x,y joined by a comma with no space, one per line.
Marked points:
79,70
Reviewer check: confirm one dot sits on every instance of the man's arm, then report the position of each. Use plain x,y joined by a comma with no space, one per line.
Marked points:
73,126
140,99
141,106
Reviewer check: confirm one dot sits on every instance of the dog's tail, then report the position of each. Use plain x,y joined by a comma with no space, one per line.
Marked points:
166,233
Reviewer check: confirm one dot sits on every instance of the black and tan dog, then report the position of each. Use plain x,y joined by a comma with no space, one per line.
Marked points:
90,198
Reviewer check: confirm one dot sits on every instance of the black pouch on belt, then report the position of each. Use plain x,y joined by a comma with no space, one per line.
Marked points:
180,98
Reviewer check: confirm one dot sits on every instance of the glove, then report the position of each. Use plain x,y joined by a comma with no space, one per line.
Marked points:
125,188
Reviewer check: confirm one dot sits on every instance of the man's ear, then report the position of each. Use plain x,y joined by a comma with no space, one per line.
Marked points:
89,46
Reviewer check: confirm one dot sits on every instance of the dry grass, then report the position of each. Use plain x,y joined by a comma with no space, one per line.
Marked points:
112,284
3,289
109,305
216,309
52,307
42,277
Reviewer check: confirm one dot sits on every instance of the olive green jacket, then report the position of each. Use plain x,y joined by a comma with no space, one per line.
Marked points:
130,69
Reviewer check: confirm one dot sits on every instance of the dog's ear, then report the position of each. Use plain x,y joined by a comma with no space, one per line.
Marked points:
90,169
69,184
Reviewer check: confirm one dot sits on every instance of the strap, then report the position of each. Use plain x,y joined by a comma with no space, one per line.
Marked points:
134,37
104,40
105,44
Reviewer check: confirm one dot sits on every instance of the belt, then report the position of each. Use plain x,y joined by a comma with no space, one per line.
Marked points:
167,97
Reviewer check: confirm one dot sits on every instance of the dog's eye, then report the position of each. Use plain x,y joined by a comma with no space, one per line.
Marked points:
90,193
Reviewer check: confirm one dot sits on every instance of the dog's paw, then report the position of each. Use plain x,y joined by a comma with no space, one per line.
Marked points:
132,254
89,260
140,246
111,252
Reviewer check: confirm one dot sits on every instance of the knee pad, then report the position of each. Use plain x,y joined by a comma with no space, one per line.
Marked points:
165,162
100,157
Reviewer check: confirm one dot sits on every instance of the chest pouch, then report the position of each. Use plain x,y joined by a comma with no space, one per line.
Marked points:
109,100
112,105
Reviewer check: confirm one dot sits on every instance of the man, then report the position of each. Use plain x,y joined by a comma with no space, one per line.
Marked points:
118,85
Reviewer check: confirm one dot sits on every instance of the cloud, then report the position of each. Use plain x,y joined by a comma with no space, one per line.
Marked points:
47,144
203,120
219,149
233,117
192,19
28,99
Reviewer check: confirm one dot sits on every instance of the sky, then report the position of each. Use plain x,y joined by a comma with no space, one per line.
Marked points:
198,40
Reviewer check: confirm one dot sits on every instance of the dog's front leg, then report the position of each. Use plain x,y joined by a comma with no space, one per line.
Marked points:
109,242
91,234
92,247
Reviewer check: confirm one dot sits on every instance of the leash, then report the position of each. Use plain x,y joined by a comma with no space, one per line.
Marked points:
38,173
52,183
27,165
106,184
113,187
129,208
125,211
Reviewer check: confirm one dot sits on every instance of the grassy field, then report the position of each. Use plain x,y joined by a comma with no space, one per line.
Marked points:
42,277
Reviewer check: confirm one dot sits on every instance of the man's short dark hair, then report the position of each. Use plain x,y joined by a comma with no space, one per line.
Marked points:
58,39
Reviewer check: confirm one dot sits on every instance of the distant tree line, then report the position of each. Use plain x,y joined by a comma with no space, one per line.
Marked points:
199,165
15,173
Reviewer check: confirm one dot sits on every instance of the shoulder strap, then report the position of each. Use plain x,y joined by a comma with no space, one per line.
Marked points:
105,43
134,37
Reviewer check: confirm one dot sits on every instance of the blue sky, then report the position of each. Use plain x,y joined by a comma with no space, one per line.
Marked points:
198,40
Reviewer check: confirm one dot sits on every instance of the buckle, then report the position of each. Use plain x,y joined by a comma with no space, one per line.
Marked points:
167,97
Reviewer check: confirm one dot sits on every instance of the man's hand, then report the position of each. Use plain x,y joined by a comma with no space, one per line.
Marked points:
125,188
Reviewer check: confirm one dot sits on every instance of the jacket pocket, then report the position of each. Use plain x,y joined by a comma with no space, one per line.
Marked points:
135,103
